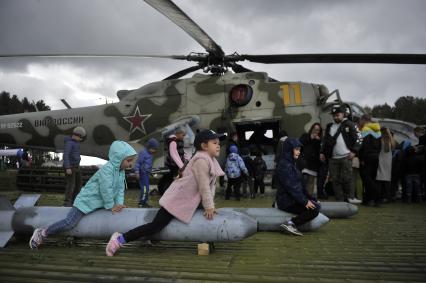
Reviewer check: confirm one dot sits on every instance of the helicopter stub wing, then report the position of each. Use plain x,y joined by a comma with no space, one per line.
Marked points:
185,122
181,122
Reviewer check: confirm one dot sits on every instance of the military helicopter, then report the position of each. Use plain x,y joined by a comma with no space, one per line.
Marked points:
251,103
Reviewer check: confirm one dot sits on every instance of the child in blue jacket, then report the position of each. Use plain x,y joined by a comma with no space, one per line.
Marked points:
143,168
105,189
291,195
234,169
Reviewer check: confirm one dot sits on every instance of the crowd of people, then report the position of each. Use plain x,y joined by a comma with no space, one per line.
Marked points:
361,152
364,150
338,154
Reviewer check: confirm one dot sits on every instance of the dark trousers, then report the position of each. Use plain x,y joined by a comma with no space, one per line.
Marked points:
234,183
396,177
371,189
321,178
259,182
385,189
144,187
72,187
222,181
341,175
167,180
423,181
161,219
247,182
413,187
303,214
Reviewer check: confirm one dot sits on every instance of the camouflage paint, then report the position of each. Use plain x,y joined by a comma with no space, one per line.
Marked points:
7,139
102,135
205,96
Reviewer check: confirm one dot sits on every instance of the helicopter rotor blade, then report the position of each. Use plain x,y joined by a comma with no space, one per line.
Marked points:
177,16
182,73
75,55
337,58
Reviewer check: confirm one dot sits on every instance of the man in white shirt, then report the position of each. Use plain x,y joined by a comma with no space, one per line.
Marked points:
340,145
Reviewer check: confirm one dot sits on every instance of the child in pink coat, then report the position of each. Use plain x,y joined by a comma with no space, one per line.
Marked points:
197,185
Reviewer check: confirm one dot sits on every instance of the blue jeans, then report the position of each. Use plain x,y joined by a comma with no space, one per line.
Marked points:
144,187
72,219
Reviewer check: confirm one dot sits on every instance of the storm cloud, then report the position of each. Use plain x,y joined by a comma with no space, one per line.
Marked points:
248,27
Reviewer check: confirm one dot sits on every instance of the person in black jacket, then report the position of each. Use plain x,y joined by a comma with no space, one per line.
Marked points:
310,157
340,145
278,151
369,163
291,196
412,168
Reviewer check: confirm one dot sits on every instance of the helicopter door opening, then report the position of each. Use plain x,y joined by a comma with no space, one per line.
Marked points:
260,136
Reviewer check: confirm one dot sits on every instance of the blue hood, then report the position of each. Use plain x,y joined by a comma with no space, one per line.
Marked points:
118,151
233,149
288,146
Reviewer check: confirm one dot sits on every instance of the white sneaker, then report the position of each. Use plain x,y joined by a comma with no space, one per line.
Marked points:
36,239
354,200
291,229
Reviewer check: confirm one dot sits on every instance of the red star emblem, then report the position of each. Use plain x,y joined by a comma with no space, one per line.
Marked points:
136,121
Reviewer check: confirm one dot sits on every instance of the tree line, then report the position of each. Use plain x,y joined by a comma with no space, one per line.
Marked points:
406,108
13,105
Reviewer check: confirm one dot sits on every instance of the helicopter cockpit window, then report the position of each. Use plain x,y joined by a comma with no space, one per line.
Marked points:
240,95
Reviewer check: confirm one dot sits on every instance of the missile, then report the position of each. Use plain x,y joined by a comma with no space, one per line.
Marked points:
338,209
270,219
24,217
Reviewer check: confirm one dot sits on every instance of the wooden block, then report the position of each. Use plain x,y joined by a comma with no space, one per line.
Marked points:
203,249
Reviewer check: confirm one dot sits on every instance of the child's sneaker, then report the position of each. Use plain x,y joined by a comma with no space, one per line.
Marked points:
354,201
37,238
113,244
289,227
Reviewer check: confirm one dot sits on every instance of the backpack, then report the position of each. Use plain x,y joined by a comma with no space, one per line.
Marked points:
232,167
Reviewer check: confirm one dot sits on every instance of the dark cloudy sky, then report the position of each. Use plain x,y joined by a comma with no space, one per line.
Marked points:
245,26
